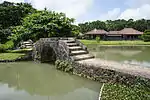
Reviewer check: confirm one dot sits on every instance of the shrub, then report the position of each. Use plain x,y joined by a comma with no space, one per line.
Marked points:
64,66
146,36
97,39
9,45
2,48
6,46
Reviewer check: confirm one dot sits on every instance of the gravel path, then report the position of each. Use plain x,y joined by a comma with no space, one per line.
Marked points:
125,68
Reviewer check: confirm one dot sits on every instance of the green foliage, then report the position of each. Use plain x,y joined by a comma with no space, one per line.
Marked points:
2,48
9,44
6,46
4,33
44,24
138,91
146,36
122,92
11,15
97,39
88,26
64,66
115,25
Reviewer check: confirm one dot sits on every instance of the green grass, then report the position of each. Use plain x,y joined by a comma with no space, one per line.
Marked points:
122,92
19,51
10,56
86,42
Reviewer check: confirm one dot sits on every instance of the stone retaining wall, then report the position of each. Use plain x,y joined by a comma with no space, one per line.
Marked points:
104,75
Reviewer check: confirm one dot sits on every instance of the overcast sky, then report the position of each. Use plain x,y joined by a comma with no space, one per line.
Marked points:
89,10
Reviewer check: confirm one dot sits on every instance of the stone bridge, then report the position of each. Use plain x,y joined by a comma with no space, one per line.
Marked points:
72,50
50,49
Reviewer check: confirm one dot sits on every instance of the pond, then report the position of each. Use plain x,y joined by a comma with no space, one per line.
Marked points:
137,55
32,81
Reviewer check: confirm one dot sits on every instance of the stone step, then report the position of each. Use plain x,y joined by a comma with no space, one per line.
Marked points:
70,41
28,44
72,44
75,48
82,57
79,52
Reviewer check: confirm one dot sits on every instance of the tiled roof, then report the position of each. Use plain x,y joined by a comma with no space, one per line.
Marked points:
124,31
130,31
114,32
95,31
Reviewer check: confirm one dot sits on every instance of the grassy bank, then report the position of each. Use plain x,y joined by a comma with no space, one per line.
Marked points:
14,54
86,42
19,51
11,56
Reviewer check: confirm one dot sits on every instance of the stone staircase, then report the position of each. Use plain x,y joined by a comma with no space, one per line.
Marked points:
26,44
77,52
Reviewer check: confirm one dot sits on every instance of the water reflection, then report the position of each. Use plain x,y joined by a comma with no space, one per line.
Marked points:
138,55
29,81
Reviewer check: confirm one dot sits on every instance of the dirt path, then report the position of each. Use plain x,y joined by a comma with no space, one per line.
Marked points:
125,68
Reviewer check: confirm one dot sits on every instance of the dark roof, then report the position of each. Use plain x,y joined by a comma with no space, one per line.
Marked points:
95,31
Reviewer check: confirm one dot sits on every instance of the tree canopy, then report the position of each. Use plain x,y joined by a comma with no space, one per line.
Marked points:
11,15
146,36
44,24
115,25
20,21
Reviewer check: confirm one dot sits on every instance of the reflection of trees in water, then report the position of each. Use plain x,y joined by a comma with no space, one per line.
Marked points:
41,79
121,53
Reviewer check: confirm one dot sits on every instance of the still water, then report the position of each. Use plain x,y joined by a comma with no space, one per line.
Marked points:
137,55
30,81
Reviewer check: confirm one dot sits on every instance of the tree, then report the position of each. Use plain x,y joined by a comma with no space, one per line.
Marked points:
141,25
4,33
116,25
11,15
146,36
85,27
44,24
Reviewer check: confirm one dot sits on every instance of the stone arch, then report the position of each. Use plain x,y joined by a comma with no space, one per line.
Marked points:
48,54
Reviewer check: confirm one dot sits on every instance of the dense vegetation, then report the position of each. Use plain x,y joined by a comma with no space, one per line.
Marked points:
44,24
6,46
64,66
146,36
115,25
140,91
11,15
20,21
